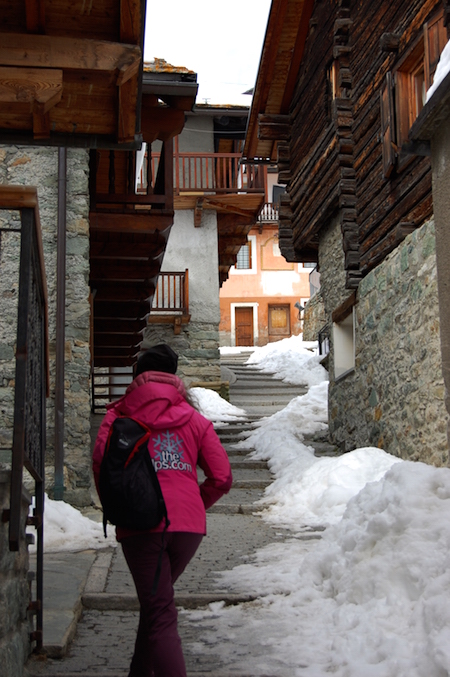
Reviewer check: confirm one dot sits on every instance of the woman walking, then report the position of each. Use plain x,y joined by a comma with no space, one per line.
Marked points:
181,439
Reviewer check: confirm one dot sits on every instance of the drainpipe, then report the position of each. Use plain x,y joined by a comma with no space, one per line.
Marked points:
60,325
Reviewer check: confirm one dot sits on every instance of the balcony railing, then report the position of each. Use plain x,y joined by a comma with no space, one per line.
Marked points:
172,294
269,212
205,172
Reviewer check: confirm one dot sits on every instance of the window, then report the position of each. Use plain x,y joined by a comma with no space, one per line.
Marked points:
404,91
246,260
344,319
244,257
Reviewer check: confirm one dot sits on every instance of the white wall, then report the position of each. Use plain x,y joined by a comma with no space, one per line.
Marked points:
197,250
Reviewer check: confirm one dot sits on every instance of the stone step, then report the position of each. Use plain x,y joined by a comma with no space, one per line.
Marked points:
237,463
104,601
250,483
232,451
123,673
252,389
224,508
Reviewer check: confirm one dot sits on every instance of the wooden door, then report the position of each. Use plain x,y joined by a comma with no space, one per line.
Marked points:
244,326
279,322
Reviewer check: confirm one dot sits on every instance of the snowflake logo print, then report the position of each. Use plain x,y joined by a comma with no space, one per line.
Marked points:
168,449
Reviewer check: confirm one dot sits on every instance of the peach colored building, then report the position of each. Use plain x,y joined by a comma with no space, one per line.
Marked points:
258,300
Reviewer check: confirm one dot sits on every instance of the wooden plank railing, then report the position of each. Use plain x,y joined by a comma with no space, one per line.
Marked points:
211,172
115,185
269,212
172,294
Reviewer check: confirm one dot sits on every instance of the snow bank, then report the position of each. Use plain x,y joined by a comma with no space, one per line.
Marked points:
372,599
292,360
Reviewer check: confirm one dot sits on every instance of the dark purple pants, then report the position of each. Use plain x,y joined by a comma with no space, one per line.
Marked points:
157,652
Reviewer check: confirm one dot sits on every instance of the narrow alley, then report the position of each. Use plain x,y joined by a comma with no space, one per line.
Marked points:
97,587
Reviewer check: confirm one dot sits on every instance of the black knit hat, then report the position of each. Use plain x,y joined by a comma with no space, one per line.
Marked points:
157,358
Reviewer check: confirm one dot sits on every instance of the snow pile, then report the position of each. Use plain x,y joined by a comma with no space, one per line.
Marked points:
309,490
372,599
215,408
292,360
66,529
442,70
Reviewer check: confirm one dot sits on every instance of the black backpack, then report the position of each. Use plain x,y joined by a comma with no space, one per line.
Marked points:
129,489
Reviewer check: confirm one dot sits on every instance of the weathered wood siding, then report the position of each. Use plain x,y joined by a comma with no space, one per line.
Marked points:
405,197
335,153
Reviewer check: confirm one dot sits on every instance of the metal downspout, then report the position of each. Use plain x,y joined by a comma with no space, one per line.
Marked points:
60,325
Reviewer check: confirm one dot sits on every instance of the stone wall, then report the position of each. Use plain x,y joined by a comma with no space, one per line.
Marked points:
39,167
15,625
394,398
196,346
314,318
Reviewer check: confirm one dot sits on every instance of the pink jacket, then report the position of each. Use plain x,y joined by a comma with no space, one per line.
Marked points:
182,439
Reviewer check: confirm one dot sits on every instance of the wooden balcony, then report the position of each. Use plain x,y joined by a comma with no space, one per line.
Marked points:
171,300
215,173
269,213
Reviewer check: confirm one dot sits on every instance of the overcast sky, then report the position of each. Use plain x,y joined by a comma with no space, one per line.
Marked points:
220,41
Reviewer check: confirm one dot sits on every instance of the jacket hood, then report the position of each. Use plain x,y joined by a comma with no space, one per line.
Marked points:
157,399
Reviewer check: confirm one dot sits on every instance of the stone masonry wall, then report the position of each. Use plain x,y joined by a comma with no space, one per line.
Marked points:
197,347
39,167
15,625
314,317
394,398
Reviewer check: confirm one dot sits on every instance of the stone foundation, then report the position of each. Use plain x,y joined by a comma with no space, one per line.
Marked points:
314,317
15,625
394,397
197,347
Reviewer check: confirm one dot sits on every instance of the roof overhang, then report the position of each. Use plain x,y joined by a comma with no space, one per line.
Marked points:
282,52
71,73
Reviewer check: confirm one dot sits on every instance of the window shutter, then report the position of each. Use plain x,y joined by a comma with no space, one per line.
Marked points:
435,39
387,126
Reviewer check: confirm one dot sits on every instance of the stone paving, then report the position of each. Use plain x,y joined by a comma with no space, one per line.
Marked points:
105,632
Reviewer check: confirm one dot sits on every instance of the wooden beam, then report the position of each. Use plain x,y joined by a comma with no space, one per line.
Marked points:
37,51
130,223
123,291
29,85
114,352
389,42
118,326
160,122
116,311
274,127
198,211
117,340
143,251
131,21
124,269
35,16
126,123
341,312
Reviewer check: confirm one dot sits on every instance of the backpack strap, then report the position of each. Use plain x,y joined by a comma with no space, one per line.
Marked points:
166,524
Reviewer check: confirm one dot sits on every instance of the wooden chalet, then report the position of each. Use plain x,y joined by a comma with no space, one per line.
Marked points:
338,88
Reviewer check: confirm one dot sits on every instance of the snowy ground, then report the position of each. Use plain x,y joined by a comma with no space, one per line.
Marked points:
372,597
